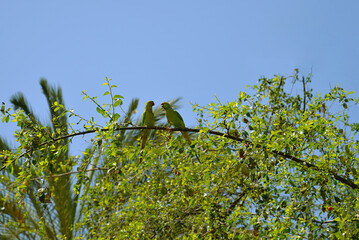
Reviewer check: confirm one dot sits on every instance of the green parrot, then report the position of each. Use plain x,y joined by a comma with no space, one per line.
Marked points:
175,119
148,119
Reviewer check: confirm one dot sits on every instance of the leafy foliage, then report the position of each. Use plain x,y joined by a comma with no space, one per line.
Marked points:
268,164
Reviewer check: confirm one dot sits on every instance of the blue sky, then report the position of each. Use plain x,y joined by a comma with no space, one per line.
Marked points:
159,50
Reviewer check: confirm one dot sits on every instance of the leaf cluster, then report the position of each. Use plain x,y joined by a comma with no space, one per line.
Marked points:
270,164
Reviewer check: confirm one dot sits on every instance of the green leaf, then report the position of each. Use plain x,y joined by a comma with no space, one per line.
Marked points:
118,102
117,96
100,111
6,119
116,117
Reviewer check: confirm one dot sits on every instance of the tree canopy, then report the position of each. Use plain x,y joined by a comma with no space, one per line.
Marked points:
269,164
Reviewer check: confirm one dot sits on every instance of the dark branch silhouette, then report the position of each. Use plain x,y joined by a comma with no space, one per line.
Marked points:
72,172
226,135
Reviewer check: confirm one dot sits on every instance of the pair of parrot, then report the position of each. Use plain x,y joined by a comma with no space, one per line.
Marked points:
173,118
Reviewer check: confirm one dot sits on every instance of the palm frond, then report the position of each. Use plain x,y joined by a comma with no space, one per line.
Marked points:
4,145
59,215
20,102
90,160
132,109
54,94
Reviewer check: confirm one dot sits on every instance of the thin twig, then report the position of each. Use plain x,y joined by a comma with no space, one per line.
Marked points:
304,97
93,100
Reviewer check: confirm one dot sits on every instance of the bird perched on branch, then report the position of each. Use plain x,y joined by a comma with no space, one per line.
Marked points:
148,119
175,119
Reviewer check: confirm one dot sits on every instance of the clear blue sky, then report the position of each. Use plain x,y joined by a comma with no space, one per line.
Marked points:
158,50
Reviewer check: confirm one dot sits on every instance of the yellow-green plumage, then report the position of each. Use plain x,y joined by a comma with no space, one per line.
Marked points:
148,119
175,119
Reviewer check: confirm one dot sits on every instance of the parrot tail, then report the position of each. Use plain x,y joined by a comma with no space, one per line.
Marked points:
186,136
144,138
